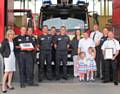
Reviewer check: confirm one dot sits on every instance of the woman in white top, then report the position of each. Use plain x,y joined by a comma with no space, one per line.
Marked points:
7,51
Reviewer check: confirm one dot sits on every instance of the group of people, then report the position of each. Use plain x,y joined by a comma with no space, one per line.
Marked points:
96,53
88,54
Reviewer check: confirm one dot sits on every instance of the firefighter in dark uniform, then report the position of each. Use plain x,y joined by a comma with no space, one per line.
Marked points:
102,40
32,53
53,34
23,55
33,40
61,45
45,45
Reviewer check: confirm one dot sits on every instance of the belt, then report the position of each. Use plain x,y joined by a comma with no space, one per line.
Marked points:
26,51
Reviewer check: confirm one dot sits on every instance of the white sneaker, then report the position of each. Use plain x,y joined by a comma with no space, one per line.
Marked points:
92,79
80,79
88,79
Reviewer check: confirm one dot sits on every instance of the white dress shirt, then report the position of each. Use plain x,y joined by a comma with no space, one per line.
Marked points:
96,36
114,44
84,44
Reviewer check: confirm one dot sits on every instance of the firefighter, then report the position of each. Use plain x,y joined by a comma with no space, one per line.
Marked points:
102,40
61,44
45,45
23,58
113,44
33,40
53,33
32,53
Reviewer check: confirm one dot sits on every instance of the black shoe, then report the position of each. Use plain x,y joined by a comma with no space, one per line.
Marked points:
33,84
65,78
11,88
57,78
98,76
4,91
102,78
22,85
39,80
105,81
50,79
115,83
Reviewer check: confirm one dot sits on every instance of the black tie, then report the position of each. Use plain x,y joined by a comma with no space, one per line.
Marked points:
94,36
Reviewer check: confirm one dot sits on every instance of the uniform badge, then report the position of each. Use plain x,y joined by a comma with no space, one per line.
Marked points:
19,40
27,38
59,38
42,38
33,38
49,38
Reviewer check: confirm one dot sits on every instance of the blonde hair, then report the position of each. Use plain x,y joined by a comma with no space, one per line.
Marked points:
91,48
10,31
81,53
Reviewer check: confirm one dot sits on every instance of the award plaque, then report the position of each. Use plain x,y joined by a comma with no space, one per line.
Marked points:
26,46
108,53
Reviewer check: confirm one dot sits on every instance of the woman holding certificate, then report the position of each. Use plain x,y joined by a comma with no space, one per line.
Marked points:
7,51
110,50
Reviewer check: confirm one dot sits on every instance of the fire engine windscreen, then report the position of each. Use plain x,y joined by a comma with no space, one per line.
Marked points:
70,23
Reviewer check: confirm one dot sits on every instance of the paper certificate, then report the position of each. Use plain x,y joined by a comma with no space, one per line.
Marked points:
108,53
26,46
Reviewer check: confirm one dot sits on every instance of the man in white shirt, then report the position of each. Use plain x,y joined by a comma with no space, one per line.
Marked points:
113,44
83,46
96,36
85,43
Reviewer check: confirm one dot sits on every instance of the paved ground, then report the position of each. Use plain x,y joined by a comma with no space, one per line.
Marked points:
72,86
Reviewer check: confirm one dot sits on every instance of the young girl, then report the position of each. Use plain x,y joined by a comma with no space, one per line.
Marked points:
91,63
82,66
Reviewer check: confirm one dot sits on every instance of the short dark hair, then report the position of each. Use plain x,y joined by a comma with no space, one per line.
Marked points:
53,27
63,26
45,26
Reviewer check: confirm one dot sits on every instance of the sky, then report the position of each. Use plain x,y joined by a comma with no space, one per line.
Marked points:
90,7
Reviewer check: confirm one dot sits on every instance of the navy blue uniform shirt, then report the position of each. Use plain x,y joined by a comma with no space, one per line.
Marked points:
45,42
62,41
21,39
33,40
102,40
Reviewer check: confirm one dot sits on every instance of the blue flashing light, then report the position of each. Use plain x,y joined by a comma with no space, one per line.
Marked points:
47,2
79,2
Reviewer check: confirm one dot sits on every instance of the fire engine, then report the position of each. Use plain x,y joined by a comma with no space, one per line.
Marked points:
65,13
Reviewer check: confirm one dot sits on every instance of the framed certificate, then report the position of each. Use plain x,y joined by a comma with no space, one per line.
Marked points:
26,46
108,53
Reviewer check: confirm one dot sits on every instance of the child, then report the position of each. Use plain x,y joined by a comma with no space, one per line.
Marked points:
82,66
91,63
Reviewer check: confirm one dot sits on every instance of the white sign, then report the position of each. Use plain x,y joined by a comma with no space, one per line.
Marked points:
26,46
